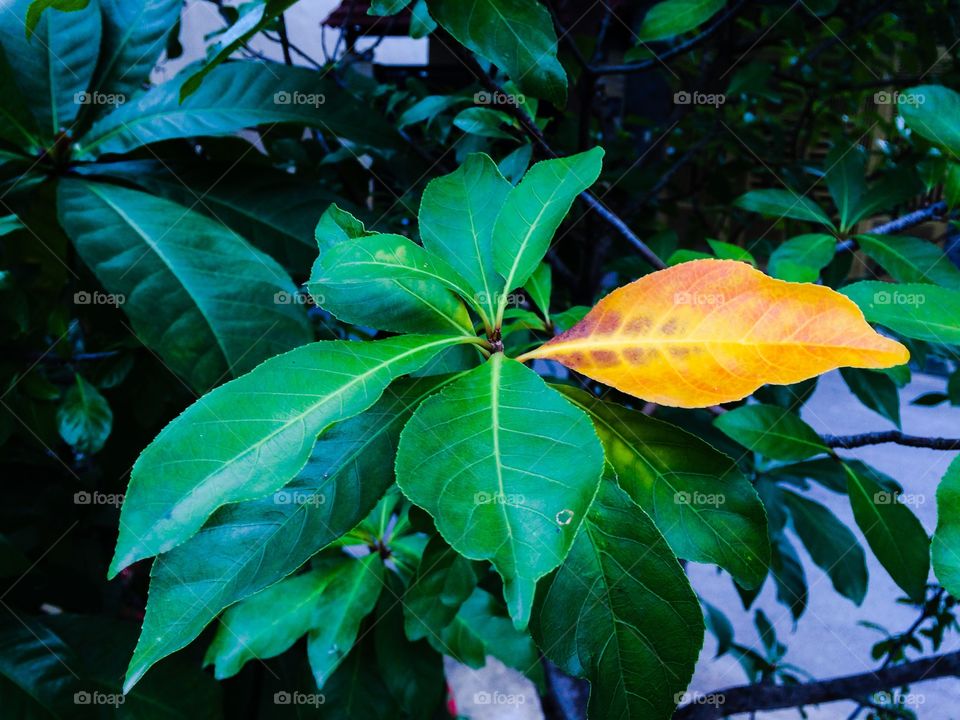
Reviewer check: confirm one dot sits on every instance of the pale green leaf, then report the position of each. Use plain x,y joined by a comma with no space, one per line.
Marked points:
84,417
911,260
923,312
946,539
801,259
781,204
675,17
771,431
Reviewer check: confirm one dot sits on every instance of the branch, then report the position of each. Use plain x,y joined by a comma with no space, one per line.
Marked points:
899,224
891,436
764,696
673,52
530,128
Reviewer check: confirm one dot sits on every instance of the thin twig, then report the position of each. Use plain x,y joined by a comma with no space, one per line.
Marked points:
890,436
899,224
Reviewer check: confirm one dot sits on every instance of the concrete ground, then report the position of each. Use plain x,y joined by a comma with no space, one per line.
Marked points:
827,641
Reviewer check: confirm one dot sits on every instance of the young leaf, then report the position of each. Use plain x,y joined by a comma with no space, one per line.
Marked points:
233,97
421,22
729,251
391,283
266,624
788,575
712,331
335,226
484,122
771,431
246,547
516,35
534,210
875,390
134,36
84,417
195,292
444,581
895,535
675,17
831,545
539,287
923,312
946,538
911,260
53,64
457,213
845,177
781,204
507,468
621,613
697,496
801,259
216,452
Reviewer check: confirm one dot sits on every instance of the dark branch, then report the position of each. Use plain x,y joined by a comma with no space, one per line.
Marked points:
764,696
900,224
891,436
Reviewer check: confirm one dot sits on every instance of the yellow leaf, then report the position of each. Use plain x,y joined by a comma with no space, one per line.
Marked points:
712,331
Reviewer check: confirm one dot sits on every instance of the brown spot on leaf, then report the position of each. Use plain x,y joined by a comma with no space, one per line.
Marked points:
639,325
636,356
670,327
604,358
609,323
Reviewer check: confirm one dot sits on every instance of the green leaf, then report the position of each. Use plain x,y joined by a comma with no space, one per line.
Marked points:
621,613
387,7
675,17
951,184
539,287
830,543
54,64
253,435
391,283
534,210
515,165
931,111
18,125
788,575
428,108
516,35
484,122
946,538
246,547
729,251
482,628
457,215
444,581
771,431
335,226
236,96
421,22
84,417
357,690
329,603
781,204
507,468
923,312
195,292
875,390
699,500
254,17
911,260
801,259
895,535
134,36
846,180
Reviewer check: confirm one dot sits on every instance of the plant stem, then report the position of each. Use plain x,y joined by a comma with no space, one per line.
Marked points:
891,436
